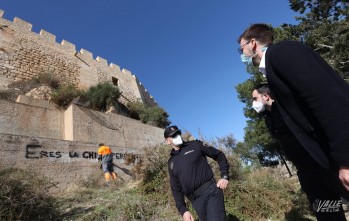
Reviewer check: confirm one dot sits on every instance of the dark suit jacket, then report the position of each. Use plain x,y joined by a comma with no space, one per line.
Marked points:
313,101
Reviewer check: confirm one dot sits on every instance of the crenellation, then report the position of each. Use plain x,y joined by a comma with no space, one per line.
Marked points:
115,67
86,54
125,71
68,46
47,35
27,54
22,23
102,61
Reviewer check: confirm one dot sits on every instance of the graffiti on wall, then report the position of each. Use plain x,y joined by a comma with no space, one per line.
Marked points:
35,151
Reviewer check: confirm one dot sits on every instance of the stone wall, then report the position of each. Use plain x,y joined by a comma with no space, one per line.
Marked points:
62,144
29,120
39,118
24,54
63,162
93,126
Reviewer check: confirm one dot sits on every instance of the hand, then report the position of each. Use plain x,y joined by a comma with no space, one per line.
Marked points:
188,217
344,176
222,183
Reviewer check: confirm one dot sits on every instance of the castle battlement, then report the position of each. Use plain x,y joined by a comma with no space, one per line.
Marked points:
23,24
47,35
41,53
37,135
115,67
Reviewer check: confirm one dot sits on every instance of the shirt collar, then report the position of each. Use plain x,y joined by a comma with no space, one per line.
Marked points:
262,64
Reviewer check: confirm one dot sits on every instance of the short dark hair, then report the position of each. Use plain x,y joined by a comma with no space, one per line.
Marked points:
261,32
101,144
264,89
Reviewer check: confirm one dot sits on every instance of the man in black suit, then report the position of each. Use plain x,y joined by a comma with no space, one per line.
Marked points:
320,185
313,100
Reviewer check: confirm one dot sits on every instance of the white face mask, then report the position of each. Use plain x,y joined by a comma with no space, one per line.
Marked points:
258,106
177,140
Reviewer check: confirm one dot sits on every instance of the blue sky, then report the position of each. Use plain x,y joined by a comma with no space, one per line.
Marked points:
183,51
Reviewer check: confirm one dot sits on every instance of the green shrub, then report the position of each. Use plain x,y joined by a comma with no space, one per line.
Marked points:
135,109
102,95
65,94
24,196
155,116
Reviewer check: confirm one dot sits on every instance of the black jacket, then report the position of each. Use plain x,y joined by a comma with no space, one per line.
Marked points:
189,169
313,100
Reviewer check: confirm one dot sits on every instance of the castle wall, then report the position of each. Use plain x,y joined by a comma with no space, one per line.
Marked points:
62,144
33,118
28,120
24,54
93,126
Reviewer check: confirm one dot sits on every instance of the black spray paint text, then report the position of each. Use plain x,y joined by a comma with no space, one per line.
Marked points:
33,152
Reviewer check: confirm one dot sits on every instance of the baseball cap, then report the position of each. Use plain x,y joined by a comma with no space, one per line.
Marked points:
171,130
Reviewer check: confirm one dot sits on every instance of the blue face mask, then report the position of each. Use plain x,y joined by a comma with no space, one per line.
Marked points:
247,60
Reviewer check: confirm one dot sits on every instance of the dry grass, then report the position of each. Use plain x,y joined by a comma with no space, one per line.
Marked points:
260,194
24,196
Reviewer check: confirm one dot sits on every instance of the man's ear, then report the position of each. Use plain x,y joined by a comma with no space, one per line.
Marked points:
254,44
267,97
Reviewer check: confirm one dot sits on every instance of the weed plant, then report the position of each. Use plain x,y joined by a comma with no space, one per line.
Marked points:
24,196
48,79
65,93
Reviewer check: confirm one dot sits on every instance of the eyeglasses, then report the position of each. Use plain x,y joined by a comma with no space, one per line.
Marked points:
241,48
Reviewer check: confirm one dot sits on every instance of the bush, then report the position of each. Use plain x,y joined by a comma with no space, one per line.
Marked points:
24,196
264,195
6,95
65,94
24,86
155,116
154,169
260,194
48,79
102,95
135,109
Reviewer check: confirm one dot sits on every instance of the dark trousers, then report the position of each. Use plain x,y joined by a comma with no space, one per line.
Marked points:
108,166
210,204
324,191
